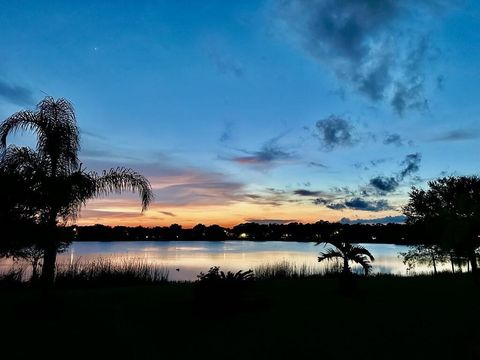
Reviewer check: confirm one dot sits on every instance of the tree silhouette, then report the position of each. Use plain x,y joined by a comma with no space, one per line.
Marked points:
448,214
58,186
348,252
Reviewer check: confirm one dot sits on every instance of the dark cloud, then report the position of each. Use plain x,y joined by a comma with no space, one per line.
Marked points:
321,201
411,165
271,221
378,47
334,131
457,135
271,152
393,139
333,206
357,203
168,213
367,205
400,219
384,184
16,94
305,192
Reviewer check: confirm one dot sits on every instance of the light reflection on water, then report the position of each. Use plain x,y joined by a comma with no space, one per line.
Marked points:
193,257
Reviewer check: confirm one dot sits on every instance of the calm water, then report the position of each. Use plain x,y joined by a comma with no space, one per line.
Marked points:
193,257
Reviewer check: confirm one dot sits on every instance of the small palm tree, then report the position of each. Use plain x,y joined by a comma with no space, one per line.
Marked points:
348,252
58,185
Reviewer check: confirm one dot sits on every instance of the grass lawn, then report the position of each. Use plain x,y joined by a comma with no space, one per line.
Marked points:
387,318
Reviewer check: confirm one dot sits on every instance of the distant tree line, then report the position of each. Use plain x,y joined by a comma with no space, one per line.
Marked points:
320,231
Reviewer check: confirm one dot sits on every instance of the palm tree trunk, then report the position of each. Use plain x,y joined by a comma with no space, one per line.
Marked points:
434,263
346,268
49,261
473,261
50,252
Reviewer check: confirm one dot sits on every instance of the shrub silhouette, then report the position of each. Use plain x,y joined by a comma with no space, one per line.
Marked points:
216,275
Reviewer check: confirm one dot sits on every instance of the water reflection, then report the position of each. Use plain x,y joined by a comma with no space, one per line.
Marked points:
193,257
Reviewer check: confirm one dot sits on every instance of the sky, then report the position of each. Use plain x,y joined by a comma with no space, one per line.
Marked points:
267,111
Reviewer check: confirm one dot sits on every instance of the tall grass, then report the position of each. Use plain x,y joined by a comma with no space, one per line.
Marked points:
13,276
104,271
287,270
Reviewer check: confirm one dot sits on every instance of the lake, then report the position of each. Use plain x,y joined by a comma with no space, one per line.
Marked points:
192,257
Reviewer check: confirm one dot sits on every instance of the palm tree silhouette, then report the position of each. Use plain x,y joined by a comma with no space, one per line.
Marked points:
348,252
61,186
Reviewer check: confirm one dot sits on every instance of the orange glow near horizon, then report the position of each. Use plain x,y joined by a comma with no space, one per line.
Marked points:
127,213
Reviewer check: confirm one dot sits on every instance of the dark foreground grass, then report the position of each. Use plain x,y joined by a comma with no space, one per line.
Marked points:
387,318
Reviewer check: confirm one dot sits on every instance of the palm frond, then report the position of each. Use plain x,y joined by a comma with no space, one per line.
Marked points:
363,261
20,121
122,179
54,124
330,254
360,250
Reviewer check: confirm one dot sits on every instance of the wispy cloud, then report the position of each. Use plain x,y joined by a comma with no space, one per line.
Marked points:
457,135
270,153
16,94
168,213
271,221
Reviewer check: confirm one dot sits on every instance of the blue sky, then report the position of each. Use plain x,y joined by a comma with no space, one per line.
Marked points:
237,111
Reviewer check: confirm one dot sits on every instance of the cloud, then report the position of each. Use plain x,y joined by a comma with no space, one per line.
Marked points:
197,189
457,135
379,48
321,201
270,152
305,192
270,221
355,203
411,165
317,164
334,131
168,213
226,135
393,139
16,94
384,184
367,205
400,219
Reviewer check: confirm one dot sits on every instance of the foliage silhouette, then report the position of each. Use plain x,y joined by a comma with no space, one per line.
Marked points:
429,254
218,293
216,275
59,185
348,252
448,214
